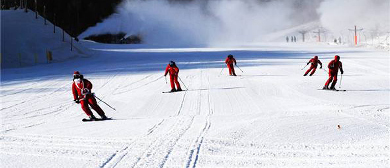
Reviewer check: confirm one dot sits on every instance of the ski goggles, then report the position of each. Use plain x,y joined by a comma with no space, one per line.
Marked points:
77,76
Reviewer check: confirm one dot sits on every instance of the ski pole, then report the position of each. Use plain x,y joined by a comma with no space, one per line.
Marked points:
325,70
239,68
341,79
304,67
182,82
166,79
221,71
103,101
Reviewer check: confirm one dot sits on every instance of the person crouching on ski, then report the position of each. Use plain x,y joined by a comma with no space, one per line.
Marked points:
313,67
229,62
334,67
81,89
174,74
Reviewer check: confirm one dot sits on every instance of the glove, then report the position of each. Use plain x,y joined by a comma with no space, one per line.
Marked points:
77,101
320,67
342,72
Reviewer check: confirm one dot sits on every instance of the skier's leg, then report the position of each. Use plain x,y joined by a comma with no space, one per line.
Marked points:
334,82
312,72
172,79
230,69
96,107
84,106
307,71
328,81
233,72
177,83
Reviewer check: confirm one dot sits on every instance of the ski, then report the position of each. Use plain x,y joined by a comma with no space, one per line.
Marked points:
335,90
173,92
97,119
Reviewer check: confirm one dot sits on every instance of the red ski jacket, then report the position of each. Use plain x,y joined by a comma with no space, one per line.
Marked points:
230,61
82,89
334,67
314,62
173,70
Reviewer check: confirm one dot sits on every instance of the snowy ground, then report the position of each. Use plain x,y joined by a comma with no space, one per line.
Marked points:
25,40
268,116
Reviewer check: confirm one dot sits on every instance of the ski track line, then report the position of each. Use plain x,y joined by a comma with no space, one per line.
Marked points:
154,143
117,157
231,154
36,137
175,142
30,86
150,147
59,108
183,100
17,92
37,123
130,84
70,147
199,140
140,86
35,98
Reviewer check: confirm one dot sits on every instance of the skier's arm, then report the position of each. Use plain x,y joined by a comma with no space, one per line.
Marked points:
309,62
74,91
234,60
166,70
88,84
341,68
331,65
320,64
87,87
226,61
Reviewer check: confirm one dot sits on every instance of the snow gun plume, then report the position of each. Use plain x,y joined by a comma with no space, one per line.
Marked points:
204,23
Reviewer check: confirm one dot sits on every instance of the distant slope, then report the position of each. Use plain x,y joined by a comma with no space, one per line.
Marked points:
23,37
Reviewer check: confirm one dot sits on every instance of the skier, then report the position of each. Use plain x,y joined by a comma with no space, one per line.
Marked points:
81,89
287,39
313,67
334,67
229,62
173,73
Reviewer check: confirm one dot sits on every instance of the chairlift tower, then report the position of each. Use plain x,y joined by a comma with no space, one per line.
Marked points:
355,37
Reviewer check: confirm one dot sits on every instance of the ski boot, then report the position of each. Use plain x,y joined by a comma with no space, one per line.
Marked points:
104,117
92,117
325,88
179,89
173,90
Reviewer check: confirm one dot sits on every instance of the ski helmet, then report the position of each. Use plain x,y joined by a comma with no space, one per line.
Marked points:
77,74
171,63
230,56
316,57
336,57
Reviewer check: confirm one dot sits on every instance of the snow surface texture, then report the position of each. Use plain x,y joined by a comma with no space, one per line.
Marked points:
22,34
268,116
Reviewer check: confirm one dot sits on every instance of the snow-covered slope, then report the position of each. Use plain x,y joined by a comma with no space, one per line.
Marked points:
268,116
23,35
